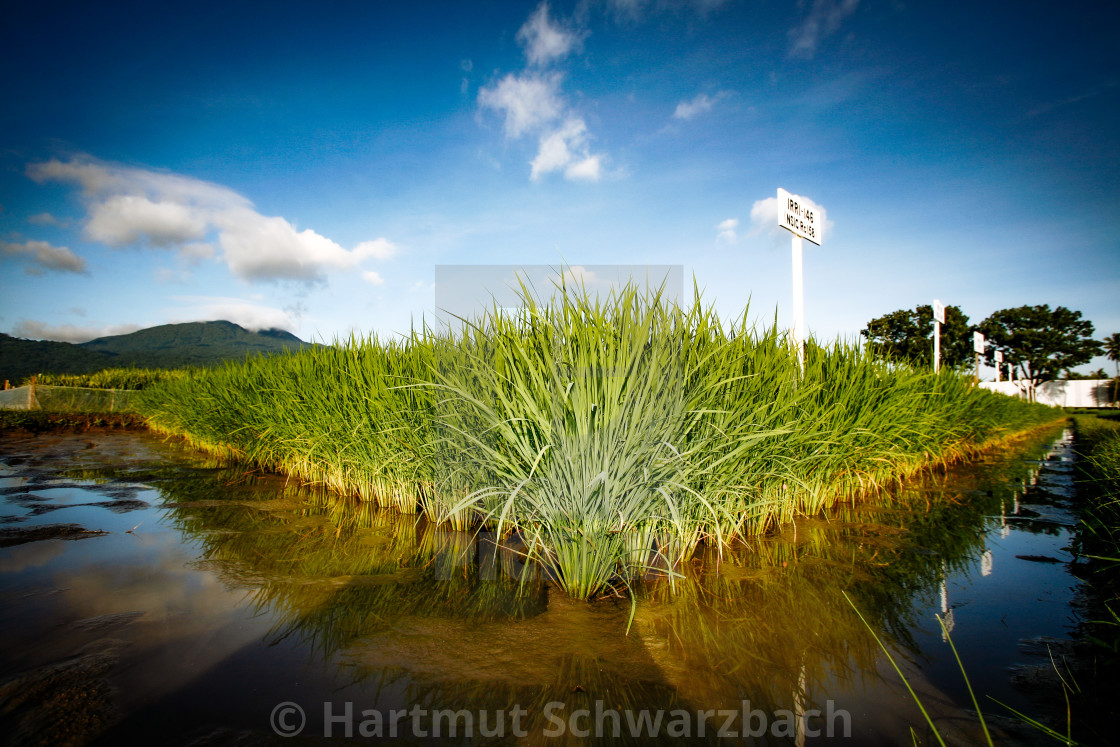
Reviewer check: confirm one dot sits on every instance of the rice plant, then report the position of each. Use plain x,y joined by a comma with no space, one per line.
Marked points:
110,378
608,434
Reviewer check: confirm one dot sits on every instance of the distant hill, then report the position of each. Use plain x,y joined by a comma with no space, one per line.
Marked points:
21,358
165,346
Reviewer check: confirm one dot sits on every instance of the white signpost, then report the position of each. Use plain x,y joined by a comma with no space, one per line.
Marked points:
999,364
938,320
978,348
802,218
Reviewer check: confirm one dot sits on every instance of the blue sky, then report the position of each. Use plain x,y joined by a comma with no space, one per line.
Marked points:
309,165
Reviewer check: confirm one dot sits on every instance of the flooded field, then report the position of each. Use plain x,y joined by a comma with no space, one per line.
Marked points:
147,593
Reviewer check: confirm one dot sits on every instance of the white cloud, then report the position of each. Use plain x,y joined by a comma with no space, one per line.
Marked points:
688,109
587,170
567,149
554,152
465,83
35,330
577,275
131,219
44,219
256,247
251,316
544,41
98,179
766,215
529,101
373,278
700,104
823,20
41,256
728,232
131,206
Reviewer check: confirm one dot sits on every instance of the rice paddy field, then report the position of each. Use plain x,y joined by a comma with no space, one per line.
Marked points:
110,378
607,437
153,593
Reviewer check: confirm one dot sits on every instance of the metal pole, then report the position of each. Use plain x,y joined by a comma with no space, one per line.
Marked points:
798,304
936,346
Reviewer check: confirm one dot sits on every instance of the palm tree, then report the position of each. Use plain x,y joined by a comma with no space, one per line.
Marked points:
1112,350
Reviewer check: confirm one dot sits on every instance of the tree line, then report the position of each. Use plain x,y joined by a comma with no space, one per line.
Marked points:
1040,343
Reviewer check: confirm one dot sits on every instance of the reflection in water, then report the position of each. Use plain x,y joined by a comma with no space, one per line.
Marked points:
767,623
409,613
948,620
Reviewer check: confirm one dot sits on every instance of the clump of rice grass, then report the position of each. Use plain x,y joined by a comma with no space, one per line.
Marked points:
111,378
606,433
1097,540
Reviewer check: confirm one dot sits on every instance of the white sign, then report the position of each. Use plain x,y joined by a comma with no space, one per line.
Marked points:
800,216
999,357
978,342
938,311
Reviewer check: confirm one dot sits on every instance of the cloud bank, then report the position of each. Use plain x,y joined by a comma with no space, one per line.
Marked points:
34,330
41,256
252,316
128,206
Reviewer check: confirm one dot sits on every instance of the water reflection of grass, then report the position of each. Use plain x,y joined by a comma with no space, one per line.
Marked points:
594,429
400,603
771,619
329,573
1097,542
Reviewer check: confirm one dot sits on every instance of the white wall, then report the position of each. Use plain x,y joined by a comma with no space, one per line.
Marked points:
1078,393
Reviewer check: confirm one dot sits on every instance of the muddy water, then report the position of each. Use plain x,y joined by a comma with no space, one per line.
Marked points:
147,593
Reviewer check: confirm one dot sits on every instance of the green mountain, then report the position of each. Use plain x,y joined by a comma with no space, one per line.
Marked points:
165,346
20,358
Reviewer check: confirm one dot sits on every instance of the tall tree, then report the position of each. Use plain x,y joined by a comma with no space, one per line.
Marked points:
1112,350
1041,343
907,335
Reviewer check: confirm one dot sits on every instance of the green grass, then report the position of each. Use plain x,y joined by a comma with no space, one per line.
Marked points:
110,378
1098,538
604,433
1099,446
